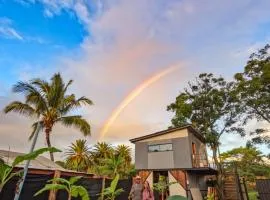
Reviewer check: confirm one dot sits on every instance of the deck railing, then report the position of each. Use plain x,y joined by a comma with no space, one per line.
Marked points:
199,161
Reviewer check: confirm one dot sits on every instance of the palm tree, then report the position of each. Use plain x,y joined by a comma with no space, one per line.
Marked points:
101,151
125,152
78,156
49,104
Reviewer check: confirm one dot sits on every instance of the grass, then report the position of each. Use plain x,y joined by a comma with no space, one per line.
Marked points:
252,195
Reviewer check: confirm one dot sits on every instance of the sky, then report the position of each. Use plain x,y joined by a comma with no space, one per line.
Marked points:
132,58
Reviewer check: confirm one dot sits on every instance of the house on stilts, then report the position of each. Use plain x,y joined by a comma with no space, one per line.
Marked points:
179,155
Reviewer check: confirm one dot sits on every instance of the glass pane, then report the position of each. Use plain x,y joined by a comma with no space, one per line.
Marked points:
153,148
165,147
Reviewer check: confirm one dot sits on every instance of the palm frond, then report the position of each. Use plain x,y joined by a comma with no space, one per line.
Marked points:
70,103
32,94
67,85
56,93
19,107
76,121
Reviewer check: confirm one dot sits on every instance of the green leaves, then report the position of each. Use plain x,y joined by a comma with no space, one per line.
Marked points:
74,179
33,155
77,191
112,192
67,185
52,187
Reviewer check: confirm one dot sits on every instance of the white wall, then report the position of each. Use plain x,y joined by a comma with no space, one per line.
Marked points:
176,189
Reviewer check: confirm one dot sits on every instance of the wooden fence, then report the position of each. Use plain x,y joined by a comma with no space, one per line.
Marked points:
263,188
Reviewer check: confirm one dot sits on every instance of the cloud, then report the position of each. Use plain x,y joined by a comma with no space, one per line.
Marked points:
129,41
7,31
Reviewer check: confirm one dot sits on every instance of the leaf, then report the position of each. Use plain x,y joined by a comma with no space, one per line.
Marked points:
60,180
74,179
51,187
33,155
79,191
114,183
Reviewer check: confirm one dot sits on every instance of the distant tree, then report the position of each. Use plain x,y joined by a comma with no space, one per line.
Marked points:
49,103
67,185
101,151
78,156
253,89
125,152
249,162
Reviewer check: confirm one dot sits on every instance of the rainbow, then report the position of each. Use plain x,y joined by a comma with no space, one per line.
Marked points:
132,95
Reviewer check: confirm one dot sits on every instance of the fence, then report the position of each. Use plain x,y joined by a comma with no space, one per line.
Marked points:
263,188
35,182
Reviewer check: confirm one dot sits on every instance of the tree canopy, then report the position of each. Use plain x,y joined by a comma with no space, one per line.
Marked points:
253,90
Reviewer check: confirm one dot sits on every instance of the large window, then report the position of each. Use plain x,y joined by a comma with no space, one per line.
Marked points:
160,147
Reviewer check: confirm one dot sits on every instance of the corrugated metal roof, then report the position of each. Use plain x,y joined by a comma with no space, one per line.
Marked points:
40,162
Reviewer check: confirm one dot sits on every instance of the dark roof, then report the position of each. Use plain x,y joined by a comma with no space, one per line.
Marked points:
189,127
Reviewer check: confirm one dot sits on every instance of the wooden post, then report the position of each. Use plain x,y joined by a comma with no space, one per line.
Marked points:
52,194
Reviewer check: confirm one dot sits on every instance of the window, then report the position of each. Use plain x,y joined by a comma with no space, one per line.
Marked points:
160,147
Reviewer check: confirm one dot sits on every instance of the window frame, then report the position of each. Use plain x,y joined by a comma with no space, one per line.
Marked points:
149,145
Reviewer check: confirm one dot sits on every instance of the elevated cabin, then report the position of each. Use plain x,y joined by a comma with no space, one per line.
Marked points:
180,155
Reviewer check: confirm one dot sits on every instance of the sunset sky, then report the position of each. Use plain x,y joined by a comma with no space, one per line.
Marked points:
120,54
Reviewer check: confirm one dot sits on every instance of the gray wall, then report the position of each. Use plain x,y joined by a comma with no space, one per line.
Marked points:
182,153
141,155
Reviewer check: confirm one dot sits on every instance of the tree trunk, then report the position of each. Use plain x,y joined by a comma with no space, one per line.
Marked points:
220,176
69,196
1,188
102,188
47,132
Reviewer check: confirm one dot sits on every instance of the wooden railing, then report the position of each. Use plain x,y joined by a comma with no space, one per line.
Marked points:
199,161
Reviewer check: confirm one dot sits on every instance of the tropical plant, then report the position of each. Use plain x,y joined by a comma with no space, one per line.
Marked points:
49,103
7,172
78,156
112,166
110,193
162,186
67,185
253,91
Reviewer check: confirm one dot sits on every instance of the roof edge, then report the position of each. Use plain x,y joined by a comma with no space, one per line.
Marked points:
188,126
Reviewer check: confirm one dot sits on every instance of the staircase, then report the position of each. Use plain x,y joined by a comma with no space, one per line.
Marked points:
231,187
